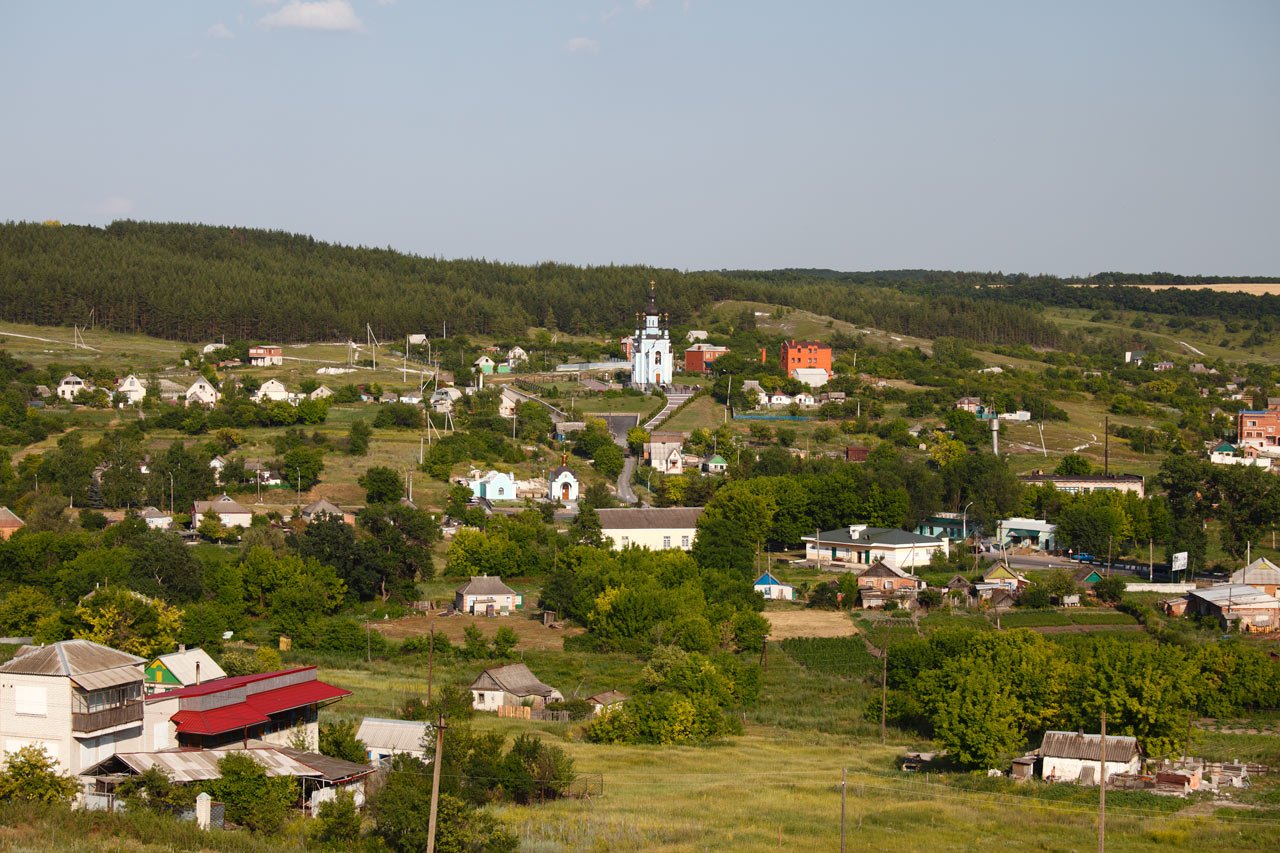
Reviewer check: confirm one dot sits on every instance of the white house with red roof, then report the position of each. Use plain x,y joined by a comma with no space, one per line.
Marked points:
268,706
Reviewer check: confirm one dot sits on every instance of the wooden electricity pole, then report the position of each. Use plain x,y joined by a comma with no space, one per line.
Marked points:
884,688
435,785
1102,787
431,659
844,785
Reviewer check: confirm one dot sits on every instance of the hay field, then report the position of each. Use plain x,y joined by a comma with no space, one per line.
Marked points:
786,624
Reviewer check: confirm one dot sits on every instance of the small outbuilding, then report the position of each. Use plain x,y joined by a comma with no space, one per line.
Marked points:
602,703
384,738
774,589
1076,756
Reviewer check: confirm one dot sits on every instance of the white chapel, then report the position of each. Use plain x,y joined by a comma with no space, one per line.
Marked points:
651,363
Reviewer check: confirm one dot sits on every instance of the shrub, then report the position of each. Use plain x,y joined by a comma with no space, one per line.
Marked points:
337,820
253,799
31,774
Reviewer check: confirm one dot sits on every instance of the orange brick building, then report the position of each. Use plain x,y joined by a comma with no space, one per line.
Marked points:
806,354
698,358
1258,431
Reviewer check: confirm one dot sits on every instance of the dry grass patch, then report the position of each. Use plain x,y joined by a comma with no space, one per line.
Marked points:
786,624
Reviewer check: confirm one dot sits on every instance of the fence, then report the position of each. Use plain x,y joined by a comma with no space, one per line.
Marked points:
524,712
586,786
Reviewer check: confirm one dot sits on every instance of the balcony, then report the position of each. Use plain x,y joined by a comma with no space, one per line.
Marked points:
92,721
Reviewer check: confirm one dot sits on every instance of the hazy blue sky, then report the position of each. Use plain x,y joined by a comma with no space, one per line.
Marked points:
1067,137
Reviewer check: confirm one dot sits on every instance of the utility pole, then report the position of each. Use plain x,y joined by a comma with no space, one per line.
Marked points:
844,784
884,687
1106,446
435,785
1102,788
431,661
764,655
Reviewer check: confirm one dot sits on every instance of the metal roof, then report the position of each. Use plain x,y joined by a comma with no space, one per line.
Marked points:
105,678
255,709
394,735
767,579
485,585
199,765
1088,747
222,504
1261,572
1235,595
649,518
862,535
9,519
183,666
69,658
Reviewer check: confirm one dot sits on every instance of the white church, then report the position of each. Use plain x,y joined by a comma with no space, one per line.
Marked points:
651,363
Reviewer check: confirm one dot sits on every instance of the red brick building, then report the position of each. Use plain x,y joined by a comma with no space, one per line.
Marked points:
805,354
699,357
1258,431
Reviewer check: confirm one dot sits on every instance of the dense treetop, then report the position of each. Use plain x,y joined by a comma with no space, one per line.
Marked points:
197,282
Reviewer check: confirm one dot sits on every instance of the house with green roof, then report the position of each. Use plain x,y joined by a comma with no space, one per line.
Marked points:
859,545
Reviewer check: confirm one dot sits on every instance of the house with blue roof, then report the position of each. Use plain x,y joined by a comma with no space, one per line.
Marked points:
773,589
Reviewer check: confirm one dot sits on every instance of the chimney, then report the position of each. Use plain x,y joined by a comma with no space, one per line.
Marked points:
182,647
197,672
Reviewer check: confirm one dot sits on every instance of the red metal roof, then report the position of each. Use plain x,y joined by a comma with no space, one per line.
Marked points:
219,720
295,696
222,684
255,709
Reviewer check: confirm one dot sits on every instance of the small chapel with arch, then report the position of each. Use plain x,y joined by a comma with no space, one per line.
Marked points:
651,364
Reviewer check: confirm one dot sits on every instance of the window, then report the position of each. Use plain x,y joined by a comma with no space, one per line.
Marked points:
684,541
626,541
31,701
666,541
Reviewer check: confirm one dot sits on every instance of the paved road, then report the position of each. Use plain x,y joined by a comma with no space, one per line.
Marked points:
625,493
674,400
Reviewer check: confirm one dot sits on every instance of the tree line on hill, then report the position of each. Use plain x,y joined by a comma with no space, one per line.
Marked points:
194,282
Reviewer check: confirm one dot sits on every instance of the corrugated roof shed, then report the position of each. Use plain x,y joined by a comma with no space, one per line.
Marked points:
1088,747
393,735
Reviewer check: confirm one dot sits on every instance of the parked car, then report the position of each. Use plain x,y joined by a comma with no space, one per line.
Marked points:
1083,558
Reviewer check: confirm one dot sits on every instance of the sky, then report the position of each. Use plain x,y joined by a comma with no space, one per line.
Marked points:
1022,136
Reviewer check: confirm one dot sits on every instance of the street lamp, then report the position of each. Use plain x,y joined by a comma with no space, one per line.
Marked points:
298,472
964,522
170,494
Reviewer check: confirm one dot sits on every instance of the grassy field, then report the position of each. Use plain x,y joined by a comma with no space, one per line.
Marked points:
700,413
779,783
